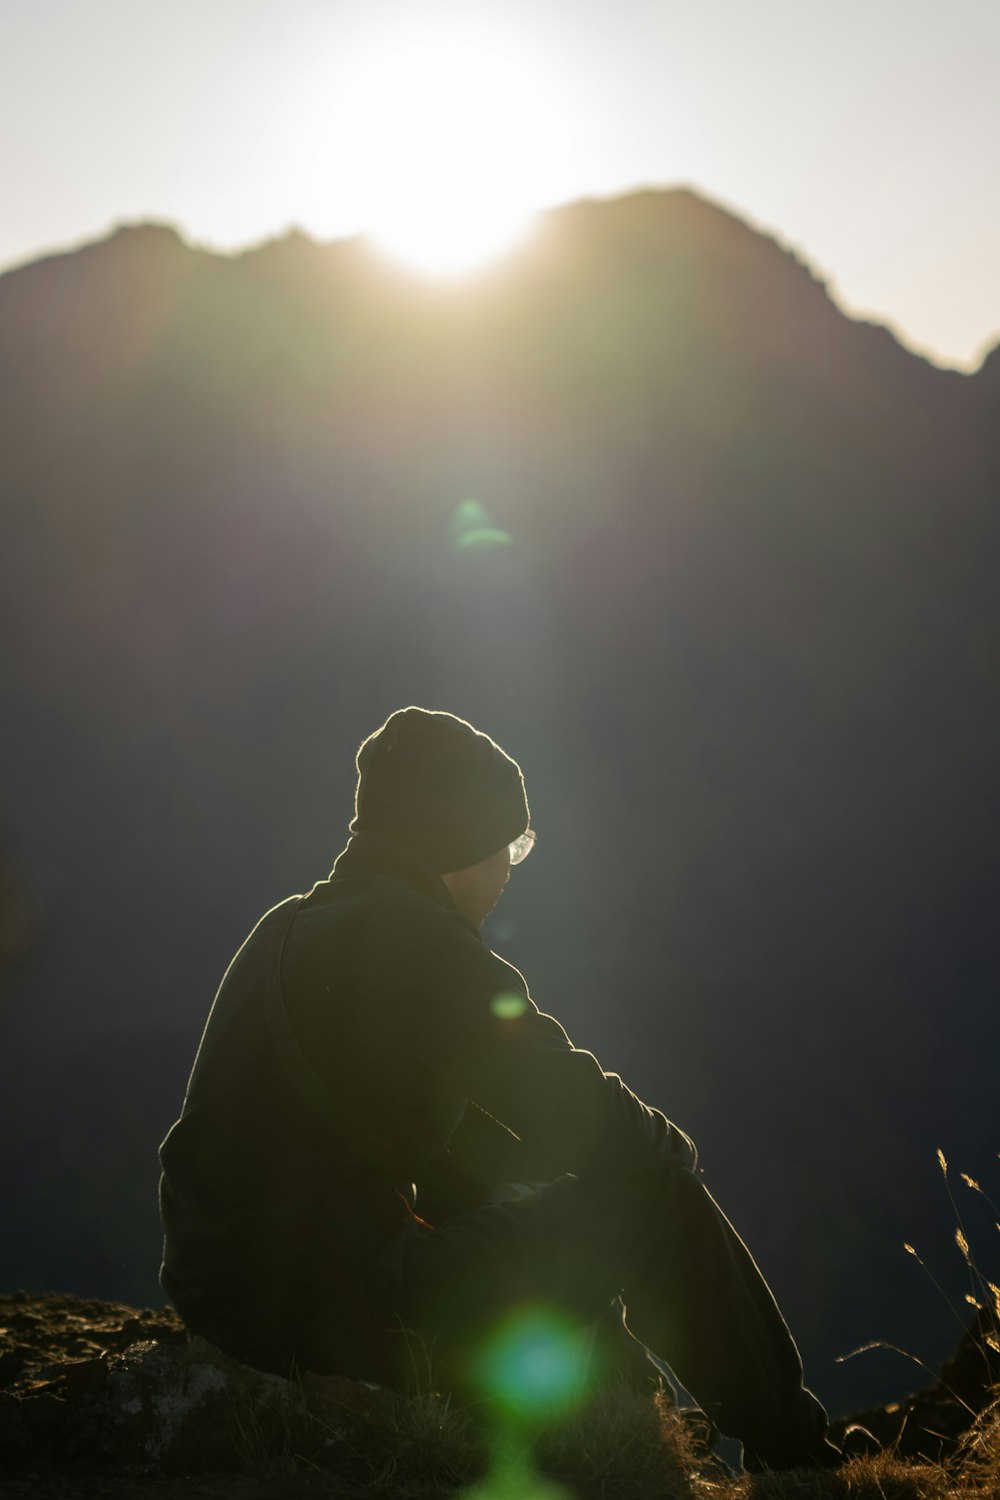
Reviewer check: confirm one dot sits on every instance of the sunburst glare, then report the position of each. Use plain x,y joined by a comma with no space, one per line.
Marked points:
453,142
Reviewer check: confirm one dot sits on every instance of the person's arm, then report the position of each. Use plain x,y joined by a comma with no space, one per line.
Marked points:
482,1157
485,1037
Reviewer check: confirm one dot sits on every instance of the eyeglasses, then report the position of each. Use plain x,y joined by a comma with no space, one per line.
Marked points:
521,847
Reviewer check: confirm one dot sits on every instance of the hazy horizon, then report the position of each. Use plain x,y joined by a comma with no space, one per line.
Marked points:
863,140
968,368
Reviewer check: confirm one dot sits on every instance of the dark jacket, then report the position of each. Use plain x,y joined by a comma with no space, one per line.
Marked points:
444,1080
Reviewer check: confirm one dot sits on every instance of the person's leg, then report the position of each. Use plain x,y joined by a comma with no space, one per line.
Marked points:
692,1292
695,1296
618,1357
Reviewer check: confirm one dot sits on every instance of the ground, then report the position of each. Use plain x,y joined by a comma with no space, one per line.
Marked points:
98,1399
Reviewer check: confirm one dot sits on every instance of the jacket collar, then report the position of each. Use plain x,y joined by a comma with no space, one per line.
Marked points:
378,854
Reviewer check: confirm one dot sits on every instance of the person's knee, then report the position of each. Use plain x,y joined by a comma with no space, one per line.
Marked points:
680,1150
672,1183
676,1151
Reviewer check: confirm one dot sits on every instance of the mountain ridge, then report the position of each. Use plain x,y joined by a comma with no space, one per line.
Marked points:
714,215
743,638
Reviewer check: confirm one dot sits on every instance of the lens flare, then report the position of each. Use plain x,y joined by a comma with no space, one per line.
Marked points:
508,1007
513,1476
535,1363
473,530
532,1369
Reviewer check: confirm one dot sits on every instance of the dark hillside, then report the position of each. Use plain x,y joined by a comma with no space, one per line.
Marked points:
744,639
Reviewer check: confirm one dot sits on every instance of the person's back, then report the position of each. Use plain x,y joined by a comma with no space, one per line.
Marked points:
275,1207
277,1210
370,1078
256,1190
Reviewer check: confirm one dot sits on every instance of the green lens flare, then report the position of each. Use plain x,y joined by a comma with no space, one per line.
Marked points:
480,540
508,1007
472,529
535,1362
513,1477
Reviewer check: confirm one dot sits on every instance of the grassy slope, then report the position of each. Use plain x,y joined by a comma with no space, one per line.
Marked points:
621,1447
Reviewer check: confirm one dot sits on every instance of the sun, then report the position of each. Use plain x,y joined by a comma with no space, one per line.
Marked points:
451,142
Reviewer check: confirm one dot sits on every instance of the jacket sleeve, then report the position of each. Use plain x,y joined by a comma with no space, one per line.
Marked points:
480,1157
483,1035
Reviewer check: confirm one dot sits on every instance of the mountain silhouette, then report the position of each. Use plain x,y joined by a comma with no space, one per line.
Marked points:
730,599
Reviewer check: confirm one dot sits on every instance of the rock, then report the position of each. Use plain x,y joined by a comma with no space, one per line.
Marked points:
80,1377
11,1367
177,1406
169,1407
167,1410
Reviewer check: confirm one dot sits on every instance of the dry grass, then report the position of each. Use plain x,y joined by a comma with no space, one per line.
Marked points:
625,1445
619,1446
622,1445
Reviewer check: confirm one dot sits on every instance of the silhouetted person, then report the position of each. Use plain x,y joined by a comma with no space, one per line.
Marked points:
368,1060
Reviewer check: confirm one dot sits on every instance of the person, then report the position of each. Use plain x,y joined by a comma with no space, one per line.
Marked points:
383,1139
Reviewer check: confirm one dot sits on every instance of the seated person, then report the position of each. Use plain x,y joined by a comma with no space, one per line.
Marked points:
372,1078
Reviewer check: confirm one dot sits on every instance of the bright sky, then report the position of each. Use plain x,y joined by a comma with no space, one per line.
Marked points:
865,134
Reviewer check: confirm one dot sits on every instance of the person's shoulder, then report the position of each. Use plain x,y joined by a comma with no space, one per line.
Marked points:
426,920
283,911
391,910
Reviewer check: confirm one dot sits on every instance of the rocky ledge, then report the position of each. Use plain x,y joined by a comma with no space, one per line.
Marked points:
88,1386
90,1389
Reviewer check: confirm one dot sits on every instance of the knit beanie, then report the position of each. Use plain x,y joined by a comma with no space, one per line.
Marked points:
439,786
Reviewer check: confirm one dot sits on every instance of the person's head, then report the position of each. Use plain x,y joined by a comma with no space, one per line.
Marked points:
449,793
476,889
